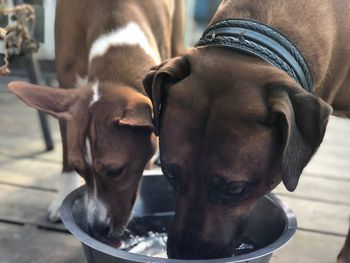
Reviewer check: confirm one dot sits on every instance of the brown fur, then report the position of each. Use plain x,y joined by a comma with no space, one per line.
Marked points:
232,126
119,125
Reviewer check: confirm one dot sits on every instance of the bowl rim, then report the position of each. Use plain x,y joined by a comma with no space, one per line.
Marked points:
69,222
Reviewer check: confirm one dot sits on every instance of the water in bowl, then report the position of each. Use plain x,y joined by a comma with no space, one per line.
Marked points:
154,245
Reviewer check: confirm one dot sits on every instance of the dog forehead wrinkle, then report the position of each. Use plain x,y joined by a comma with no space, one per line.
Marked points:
130,34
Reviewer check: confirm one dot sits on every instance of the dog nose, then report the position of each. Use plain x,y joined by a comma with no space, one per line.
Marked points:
98,229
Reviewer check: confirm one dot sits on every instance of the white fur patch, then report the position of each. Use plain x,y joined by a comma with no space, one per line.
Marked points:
88,155
95,95
96,210
81,81
131,34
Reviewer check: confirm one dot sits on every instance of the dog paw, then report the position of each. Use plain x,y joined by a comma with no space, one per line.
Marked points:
53,213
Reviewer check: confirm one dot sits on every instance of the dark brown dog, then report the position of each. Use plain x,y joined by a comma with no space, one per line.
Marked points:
106,123
233,126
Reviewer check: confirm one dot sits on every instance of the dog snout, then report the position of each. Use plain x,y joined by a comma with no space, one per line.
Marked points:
99,229
192,247
105,233
196,234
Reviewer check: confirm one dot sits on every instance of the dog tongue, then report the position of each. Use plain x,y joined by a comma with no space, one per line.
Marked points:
116,243
113,242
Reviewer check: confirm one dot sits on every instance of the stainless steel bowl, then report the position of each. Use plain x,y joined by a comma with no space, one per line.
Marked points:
271,224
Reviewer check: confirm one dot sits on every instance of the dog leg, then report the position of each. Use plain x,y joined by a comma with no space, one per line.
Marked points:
178,47
67,183
344,255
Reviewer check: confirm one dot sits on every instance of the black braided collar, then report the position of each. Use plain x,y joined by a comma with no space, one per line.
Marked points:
262,41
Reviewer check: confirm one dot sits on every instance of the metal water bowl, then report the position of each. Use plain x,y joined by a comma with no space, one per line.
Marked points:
271,224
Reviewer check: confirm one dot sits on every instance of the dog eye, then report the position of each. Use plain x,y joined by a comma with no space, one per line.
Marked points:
229,193
237,188
113,173
174,181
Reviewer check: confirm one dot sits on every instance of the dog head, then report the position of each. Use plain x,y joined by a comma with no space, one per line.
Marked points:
231,127
110,138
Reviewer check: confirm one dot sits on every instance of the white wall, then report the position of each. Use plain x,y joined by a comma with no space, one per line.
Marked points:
47,49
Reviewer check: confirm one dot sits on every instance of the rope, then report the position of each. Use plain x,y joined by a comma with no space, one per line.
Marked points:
17,37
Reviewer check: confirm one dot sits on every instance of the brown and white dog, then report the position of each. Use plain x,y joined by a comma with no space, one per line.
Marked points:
104,48
233,126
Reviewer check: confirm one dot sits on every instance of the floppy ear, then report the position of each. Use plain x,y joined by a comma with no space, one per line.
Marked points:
137,115
301,119
156,81
55,102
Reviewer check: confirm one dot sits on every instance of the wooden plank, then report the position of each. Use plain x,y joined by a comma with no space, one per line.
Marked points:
307,247
22,136
338,125
52,156
336,137
22,147
319,189
30,244
26,147
330,161
329,170
29,173
17,118
20,132
318,216
26,206
332,158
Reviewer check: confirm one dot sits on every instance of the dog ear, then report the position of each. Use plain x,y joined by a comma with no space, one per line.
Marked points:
137,115
301,120
155,82
55,102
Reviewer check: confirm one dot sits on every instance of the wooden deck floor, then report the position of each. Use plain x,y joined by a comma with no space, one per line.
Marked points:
28,178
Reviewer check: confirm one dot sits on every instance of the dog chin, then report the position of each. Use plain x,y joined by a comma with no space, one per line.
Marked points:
115,242
113,238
